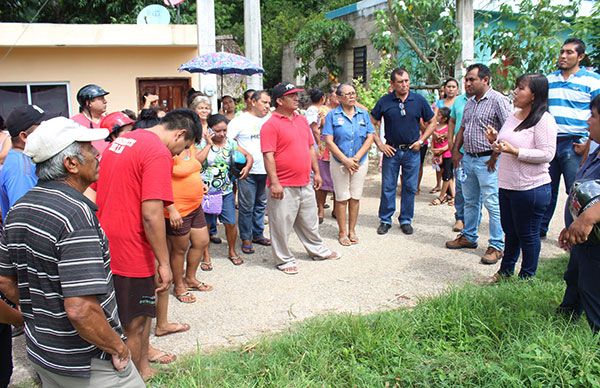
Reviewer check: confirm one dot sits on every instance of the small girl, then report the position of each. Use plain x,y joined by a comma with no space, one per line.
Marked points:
442,156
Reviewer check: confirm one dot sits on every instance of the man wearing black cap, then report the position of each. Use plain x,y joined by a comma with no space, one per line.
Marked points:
18,173
289,155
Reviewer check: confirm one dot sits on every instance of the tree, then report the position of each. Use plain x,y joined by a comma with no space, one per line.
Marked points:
525,40
589,26
319,43
422,35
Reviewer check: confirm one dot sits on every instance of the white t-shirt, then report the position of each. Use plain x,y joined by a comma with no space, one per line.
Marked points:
312,114
245,129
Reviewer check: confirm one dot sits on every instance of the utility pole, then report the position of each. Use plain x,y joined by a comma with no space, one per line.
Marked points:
466,26
205,22
253,40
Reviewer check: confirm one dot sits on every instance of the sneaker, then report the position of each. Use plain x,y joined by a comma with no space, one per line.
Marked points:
215,240
406,228
383,228
460,242
458,226
491,256
496,278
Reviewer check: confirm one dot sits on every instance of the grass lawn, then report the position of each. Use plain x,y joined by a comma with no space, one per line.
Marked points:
504,335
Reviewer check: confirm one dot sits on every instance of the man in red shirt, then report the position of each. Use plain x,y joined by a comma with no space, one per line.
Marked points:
289,155
133,188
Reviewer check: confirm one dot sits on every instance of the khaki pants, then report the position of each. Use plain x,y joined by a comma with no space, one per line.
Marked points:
297,210
103,374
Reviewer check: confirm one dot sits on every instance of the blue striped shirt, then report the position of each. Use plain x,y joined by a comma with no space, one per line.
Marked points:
569,101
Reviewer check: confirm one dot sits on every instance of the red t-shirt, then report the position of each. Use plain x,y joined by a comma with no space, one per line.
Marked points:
81,119
136,167
290,141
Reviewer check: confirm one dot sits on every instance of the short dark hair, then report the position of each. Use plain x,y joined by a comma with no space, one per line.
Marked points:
338,90
248,94
256,94
595,104
579,45
445,112
482,70
183,119
315,95
397,71
450,80
146,119
216,119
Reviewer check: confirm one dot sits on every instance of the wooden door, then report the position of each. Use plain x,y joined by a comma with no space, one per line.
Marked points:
171,91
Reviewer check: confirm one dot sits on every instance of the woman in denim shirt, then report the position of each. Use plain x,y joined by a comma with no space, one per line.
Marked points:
348,134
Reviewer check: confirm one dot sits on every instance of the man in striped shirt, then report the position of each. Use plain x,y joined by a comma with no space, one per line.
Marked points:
571,89
55,262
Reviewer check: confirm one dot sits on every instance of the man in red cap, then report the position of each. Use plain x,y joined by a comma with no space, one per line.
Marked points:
289,155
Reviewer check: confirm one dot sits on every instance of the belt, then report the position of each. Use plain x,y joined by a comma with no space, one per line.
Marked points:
480,154
568,137
400,146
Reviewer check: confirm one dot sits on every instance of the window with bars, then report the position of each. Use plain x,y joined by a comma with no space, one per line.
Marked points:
360,63
51,97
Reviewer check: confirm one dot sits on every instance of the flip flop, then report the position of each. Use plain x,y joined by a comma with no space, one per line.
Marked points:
202,287
206,266
434,190
345,241
163,358
236,260
353,239
186,297
247,249
288,269
183,327
262,241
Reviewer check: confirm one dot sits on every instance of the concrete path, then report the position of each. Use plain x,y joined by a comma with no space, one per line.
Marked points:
381,272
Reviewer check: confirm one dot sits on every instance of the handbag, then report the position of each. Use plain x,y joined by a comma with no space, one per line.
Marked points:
212,203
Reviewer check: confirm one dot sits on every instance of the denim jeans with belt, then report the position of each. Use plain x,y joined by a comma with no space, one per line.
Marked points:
521,214
480,186
410,161
565,162
252,201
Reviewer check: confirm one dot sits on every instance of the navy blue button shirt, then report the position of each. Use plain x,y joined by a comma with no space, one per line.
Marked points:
401,129
590,170
349,134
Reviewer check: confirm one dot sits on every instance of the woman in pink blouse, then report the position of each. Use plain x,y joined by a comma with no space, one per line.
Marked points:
527,143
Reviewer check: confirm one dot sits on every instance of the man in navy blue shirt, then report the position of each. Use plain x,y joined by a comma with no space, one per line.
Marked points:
402,111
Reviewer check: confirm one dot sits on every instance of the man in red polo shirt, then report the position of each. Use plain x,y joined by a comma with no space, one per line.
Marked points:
289,155
132,190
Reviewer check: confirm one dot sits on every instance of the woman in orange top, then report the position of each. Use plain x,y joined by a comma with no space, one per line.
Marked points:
185,222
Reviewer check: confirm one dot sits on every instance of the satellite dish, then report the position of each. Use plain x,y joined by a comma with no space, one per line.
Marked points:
154,14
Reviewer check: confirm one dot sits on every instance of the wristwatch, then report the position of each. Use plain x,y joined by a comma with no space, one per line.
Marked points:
420,142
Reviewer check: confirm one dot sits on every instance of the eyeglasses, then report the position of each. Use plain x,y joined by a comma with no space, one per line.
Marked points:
402,110
349,94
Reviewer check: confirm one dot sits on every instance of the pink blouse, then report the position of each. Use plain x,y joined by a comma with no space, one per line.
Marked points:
536,145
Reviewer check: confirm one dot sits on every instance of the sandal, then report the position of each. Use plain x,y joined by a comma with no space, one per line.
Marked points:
183,327
288,269
186,297
353,238
247,249
214,239
450,200
435,190
344,241
437,201
206,266
236,260
262,241
163,358
202,287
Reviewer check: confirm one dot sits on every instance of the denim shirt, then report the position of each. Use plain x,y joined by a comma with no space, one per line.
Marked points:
349,134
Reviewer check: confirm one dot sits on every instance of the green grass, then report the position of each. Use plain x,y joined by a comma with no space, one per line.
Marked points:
505,335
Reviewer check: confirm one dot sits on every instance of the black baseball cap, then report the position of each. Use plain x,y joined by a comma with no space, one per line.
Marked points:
23,117
283,89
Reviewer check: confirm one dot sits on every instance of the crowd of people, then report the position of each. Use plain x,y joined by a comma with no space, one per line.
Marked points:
105,214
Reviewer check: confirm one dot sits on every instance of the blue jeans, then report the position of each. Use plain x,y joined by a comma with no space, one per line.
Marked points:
410,161
227,215
565,162
521,214
481,186
252,201
459,201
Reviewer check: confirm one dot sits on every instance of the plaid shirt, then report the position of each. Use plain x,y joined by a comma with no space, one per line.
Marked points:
492,109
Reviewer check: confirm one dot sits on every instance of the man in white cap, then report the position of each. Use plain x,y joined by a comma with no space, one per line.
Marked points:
54,259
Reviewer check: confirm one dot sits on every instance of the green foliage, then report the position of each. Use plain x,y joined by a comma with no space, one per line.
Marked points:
525,41
378,84
506,335
430,25
589,26
319,43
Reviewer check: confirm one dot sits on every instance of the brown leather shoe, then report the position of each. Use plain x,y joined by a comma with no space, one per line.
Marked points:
491,256
458,226
460,242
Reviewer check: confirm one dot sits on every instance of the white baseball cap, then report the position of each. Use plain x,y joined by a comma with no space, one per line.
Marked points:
54,135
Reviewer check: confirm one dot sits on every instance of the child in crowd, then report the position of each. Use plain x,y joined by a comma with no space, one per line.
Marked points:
442,156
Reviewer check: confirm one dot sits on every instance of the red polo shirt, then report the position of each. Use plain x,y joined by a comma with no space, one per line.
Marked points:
290,140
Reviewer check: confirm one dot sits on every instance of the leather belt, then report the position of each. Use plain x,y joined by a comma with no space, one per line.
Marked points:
480,154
